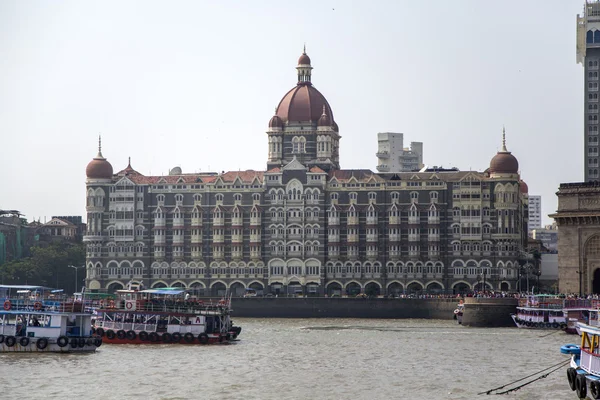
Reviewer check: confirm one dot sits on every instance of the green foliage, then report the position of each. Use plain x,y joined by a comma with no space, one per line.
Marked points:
47,266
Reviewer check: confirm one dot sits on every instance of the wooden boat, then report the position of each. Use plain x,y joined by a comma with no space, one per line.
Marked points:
540,311
40,319
165,315
584,370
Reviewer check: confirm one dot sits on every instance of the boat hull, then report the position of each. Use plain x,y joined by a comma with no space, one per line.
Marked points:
522,324
51,347
137,340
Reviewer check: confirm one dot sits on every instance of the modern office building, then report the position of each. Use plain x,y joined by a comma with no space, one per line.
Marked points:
392,156
588,54
535,212
304,225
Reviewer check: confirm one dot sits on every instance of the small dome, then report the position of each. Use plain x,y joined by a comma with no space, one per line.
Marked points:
524,187
324,120
504,163
275,122
99,168
304,59
175,171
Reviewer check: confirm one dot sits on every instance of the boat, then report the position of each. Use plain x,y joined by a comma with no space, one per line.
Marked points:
459,311
579,310
165,315
41,319
584,369
540,311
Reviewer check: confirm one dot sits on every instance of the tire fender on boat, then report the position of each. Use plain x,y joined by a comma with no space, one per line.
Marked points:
97,341
581,386
24,341
188,337
62,341
203,338
131,335
153,336
176,337
571,375
143,336
166,337
100,332
10,341
555,325
121,334
81,342
74,342
110,334
563,326
595,389
41,343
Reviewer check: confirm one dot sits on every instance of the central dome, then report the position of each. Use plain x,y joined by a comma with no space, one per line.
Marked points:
303,103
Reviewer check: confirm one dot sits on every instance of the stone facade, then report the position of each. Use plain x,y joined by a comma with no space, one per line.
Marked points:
304,226
578,220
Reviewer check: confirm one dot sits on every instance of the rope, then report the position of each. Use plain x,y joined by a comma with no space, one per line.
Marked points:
557,366
551,333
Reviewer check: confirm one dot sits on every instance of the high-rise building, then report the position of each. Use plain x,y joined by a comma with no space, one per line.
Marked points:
304,225
588,54
535,212
392,156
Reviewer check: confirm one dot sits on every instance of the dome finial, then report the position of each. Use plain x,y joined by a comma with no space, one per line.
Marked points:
304,49
504,150
99,147
129,162
324,110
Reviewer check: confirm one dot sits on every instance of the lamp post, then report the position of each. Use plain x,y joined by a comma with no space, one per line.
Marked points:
76,269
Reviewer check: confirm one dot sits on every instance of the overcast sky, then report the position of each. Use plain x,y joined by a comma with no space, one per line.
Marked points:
194,84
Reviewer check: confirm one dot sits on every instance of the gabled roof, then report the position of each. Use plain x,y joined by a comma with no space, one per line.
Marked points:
360,175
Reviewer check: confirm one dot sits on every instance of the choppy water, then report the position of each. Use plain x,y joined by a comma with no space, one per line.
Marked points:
304,359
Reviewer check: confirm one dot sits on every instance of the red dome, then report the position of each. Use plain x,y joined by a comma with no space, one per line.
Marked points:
275,122
99,168
504,163
524,187
303,103
324,120
304,59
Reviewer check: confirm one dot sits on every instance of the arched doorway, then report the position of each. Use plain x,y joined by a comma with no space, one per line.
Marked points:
434,288
395,289
295,289
372,289
334,289
352,289
504,286
414,288
591,283
218,290
596,281
237,289
113,287
461,288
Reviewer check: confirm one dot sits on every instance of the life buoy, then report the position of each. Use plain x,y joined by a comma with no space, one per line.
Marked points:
100,332
7,305
24,341
571,375
581,386
41,343
153,336
121,334
570,349
203,338
131,335
166,337
37,306
188,337
97,341
128,305
456,311
176,337
62,341
10,341
110,334
143,336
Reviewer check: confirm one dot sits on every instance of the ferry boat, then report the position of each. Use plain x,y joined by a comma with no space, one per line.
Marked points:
165,315
40,319
459,311
579,310
540,311
584,369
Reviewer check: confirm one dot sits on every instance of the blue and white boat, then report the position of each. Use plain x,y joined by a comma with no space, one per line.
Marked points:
40,319
583,373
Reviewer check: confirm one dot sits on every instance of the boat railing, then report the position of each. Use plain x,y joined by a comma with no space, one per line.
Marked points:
183,307
35,305
126,326
578,303
590,361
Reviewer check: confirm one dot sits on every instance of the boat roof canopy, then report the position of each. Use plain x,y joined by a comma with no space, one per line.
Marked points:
25,287
166,290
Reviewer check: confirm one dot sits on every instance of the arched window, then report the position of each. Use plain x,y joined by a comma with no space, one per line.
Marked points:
589,38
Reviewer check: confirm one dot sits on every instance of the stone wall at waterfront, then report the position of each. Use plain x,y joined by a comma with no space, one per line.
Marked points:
320,307
489,312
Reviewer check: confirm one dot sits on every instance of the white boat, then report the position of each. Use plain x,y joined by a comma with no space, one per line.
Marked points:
540,311
583,373
40,319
